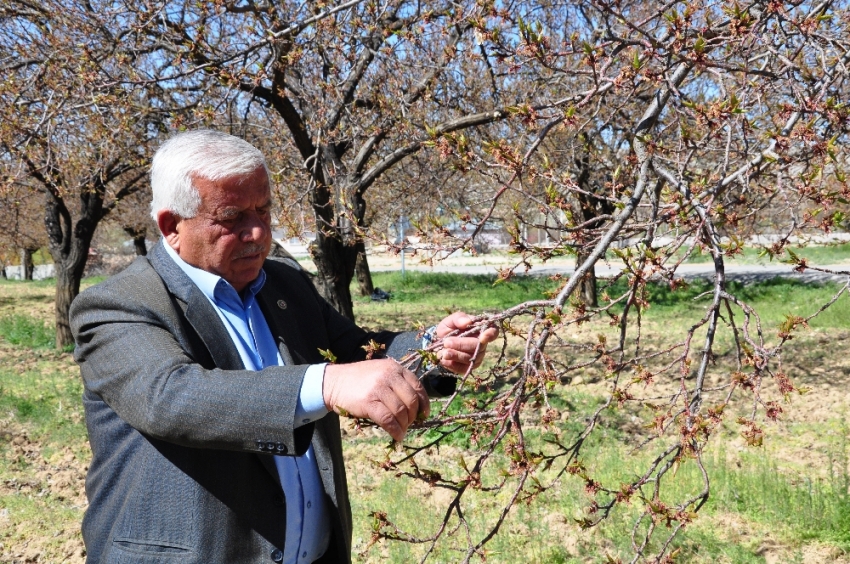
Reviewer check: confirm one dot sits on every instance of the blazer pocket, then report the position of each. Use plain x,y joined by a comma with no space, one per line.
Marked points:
139,551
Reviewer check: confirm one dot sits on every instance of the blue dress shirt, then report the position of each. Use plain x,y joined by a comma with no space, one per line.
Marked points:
307,517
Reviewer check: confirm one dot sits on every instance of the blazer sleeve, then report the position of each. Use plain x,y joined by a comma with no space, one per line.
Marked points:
134,348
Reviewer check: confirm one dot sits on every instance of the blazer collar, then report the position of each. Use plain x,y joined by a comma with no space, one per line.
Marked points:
207,323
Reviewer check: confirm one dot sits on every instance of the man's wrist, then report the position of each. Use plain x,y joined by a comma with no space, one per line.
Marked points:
311,401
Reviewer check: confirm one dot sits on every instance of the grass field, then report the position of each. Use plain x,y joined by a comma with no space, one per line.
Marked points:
786,501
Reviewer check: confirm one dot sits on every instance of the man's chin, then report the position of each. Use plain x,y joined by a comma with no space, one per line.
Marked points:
246,269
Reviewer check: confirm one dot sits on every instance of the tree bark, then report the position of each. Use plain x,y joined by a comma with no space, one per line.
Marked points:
335,269
67,288
364,275
591,207
587,292
140,245
139,237
69,245
27,267
361,263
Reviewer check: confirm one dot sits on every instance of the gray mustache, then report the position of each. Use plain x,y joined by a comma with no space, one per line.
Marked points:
251,249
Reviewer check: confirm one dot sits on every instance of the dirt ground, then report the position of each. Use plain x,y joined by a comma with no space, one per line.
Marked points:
56,483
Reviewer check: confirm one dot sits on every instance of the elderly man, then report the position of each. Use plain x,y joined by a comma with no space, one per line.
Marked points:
211,414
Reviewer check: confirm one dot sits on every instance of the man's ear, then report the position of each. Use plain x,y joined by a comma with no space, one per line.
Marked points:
168,222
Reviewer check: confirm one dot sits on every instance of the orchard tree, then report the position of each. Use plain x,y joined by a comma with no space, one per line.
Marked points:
67,128
133,218
357,87
699,124
21,226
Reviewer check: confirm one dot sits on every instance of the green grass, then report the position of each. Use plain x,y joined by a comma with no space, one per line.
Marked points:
25,331
43,283
816,254
812,508
772,299
771,498
435,294
444,290
46,399
773,501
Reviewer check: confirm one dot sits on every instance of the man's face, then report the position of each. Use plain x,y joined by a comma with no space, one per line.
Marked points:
231,234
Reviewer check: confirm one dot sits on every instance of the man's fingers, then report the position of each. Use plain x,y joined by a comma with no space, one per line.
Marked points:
403,400
401,403
383,416
381,390
461,344
468,346
456,367
424,402
456,356
488,335
457,321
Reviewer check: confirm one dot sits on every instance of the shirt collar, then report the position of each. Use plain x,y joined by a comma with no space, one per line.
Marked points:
209,283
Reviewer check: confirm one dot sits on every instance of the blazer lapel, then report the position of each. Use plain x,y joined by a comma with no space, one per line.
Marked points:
198,310
281,323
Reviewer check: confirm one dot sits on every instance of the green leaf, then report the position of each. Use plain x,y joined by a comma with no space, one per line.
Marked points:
328,355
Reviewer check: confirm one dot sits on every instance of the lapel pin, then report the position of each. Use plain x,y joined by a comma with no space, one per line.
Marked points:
281,304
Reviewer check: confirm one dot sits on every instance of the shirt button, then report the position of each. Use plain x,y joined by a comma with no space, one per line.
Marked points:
277,555
304,555
309,503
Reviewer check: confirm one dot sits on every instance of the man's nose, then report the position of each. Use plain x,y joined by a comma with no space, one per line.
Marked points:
255,228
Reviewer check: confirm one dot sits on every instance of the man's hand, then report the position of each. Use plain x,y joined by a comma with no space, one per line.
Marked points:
459,352
380,390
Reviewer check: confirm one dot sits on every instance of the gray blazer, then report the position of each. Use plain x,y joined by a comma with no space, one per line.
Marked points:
182,435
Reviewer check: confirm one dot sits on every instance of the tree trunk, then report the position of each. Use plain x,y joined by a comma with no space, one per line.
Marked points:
69,244
27,267
591,207
140,245
588,294
361,267
335,269
139,236
361,264
67,288
3,274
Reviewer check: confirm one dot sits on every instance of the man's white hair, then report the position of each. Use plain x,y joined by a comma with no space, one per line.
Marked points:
200,153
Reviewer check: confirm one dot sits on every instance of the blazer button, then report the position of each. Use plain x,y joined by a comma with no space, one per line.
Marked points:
261,445
278,501
280,448
270,446
277,555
